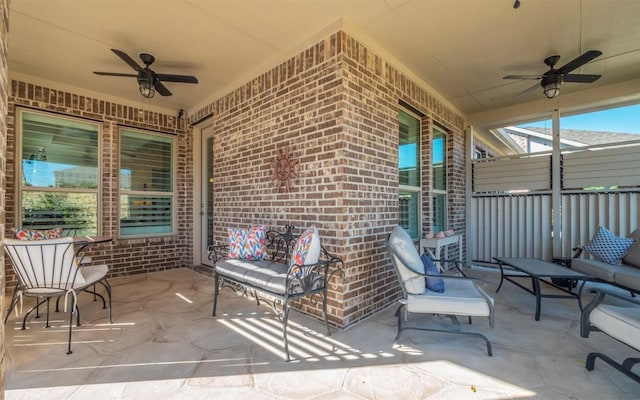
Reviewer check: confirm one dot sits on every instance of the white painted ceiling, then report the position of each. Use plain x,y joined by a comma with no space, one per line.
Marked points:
460,48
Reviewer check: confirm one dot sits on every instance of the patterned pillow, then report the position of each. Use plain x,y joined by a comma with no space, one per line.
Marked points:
307,248
433,284
607,247
35,234
247,244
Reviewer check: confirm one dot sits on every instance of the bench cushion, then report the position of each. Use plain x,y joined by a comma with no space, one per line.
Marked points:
263,274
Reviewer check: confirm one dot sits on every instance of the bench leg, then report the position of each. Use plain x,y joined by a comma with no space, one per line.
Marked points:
324,311
285,320
216,288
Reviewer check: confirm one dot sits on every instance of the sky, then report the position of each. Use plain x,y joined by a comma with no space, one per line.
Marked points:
622,119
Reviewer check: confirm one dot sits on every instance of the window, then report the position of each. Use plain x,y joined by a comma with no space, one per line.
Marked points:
146,183
409,173
439,165
58,172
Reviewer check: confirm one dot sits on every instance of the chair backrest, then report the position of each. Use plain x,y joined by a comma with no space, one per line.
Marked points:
406,261
43,265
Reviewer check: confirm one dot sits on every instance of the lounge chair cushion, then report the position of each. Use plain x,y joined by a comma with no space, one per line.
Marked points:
462,297
403,245
607,247
434,284
622,323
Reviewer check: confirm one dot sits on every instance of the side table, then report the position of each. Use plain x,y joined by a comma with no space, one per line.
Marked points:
437,244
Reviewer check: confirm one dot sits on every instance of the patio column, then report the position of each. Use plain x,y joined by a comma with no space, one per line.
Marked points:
556,199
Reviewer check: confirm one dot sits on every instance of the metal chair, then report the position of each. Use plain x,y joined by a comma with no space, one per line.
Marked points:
48,269
621,322
461,297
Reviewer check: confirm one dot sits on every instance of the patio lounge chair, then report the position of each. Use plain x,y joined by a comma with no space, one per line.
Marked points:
461,296
617,321
48,269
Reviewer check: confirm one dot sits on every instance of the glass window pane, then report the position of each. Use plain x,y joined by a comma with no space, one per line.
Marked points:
142,215
76,213
439,163
439,213
146,162
408,151
58,152
146,168
409,213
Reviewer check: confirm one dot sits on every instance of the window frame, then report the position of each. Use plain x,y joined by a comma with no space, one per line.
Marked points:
443,193
148,193
410,189
18,168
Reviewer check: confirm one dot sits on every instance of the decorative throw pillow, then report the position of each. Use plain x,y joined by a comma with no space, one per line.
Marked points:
38,234
433,284
607,247
632,257
307,248
247,244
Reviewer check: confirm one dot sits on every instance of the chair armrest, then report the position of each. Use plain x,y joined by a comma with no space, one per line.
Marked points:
456,263
601,293
578,251
606,291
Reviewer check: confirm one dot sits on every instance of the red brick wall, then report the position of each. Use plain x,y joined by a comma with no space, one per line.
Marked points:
335,107
125,256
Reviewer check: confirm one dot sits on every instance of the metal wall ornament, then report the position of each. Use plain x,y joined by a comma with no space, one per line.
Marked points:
284,170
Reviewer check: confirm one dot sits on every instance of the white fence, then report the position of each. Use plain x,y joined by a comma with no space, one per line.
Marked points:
504,221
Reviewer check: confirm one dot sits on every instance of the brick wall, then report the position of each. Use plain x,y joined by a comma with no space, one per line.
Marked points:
335,108
4,88
125,256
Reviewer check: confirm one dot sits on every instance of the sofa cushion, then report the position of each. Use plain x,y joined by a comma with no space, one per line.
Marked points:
632,257
607,247
599,269
627,276
635,235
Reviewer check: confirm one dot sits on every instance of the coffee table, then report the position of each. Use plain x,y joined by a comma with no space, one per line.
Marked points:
539,271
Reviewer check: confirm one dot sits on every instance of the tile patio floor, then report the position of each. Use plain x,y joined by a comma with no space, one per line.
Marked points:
164,344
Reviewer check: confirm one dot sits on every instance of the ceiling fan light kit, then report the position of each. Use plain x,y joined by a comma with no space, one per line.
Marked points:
552,89
553,78
149,81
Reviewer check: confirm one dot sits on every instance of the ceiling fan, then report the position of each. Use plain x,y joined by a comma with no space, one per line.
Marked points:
553,78
149,81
